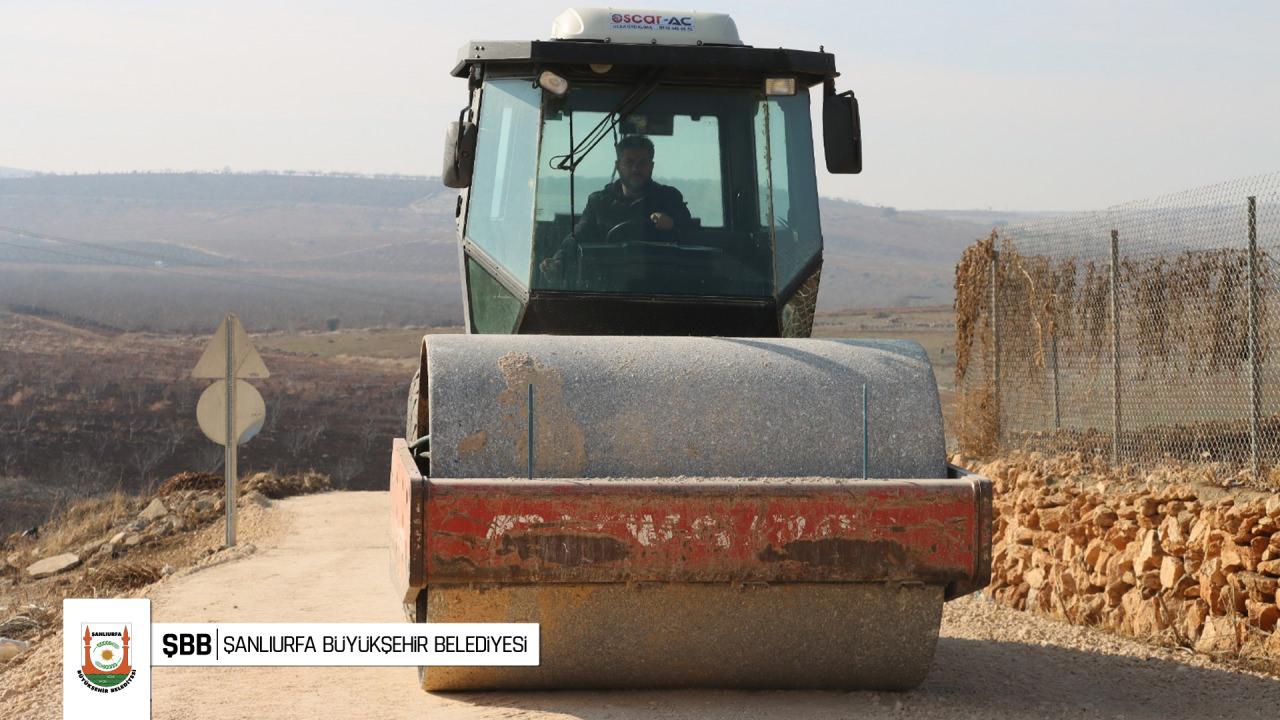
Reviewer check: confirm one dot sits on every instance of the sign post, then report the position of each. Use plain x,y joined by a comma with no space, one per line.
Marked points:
231,411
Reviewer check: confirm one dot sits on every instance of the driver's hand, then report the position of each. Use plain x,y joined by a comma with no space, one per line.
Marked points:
662,221
551,268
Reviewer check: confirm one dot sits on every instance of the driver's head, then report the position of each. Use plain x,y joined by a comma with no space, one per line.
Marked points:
635,162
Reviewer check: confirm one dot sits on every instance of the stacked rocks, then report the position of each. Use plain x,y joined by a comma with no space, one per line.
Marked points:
1167,561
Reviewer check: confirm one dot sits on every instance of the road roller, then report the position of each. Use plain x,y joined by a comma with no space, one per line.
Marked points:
636,444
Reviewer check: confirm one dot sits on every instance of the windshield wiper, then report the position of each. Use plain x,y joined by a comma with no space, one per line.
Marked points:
629,103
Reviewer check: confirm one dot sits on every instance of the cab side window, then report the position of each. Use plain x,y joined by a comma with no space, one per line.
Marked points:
500,208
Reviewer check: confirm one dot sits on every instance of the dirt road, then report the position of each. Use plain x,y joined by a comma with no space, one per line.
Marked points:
327,563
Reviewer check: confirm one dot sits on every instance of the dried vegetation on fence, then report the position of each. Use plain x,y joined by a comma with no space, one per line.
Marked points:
1183,321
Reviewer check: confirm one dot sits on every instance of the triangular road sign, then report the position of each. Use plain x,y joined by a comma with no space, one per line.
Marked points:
247,363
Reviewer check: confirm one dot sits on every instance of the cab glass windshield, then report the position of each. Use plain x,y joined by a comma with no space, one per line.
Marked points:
678,198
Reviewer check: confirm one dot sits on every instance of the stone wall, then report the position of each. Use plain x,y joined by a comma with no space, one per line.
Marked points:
1148,555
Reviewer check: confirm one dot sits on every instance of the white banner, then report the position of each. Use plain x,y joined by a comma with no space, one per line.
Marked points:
106,664
344,644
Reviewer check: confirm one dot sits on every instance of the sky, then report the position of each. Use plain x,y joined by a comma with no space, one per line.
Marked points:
980,104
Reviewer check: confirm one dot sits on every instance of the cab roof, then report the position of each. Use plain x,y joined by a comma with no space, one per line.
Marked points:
688,62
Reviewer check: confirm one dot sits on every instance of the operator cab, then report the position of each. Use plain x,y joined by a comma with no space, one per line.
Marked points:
730,130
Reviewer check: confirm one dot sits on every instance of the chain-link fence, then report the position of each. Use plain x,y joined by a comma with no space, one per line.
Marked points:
1145,332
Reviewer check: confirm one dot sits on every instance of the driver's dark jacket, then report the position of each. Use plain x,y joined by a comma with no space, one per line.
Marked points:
608,207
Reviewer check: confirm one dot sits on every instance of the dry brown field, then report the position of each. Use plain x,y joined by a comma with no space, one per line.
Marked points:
86,409
932,326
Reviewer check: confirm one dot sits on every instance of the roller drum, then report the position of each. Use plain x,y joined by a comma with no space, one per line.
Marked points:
670,406
618,608
827,636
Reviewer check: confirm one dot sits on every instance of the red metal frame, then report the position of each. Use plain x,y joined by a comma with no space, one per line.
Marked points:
460,531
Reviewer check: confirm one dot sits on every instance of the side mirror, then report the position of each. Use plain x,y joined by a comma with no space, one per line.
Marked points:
841,131
459,154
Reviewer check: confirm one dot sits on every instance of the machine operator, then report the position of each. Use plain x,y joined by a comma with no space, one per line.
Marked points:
632,207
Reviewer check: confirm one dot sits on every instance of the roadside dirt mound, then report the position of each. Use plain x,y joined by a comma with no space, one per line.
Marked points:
282,486
31,683
190,480
118,545
271,484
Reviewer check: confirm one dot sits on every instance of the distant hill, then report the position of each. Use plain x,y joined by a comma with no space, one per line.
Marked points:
391,191
168,251
994,218
8,172
251,217
383,245
883,257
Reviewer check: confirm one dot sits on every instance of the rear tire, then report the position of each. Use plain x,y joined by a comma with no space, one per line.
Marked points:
415,425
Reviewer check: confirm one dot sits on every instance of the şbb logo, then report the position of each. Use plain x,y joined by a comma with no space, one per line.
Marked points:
106,665
106,658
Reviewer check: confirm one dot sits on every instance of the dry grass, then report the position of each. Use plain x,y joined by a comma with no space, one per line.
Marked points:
26,622
976,428
31,607
973,293
121,577
86,521
1186,311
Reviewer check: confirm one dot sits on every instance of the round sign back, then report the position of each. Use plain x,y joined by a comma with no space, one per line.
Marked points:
211,411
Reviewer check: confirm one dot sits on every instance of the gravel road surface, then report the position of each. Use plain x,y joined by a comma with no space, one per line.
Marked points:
326,562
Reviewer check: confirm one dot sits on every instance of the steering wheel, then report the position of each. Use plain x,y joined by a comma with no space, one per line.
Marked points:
634,226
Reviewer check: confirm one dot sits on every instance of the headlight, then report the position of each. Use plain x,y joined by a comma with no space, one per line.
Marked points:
553,83
779,86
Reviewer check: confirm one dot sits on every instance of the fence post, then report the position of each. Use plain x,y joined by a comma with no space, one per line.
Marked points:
1115,347
1255,399
995,337
1057,407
